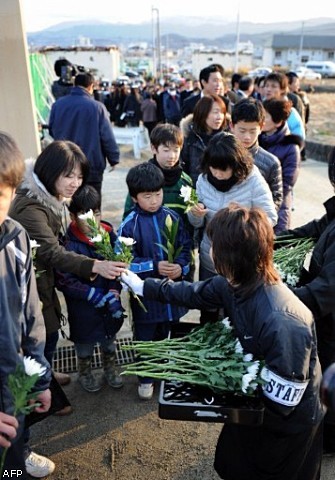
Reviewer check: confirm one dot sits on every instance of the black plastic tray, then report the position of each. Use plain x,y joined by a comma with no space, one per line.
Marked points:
182,401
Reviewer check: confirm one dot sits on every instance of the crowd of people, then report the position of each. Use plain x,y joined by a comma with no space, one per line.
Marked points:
239,152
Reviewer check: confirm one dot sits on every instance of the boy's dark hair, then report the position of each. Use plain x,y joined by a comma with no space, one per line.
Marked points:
144,177
202,109
224,151
248,110
84,80
205,72
86,198
166,134
278,77
242,241
278,109
59,158
11,161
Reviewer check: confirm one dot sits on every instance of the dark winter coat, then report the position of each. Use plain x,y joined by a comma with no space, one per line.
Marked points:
318,284
87,323
270,167
22,331
286,148
85,121
171,108
273,325
40,213
146,229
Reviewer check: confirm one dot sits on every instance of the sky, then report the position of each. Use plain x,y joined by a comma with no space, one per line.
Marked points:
40,14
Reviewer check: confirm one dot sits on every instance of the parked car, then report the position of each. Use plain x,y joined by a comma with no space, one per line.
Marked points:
326,69
307,74
259,72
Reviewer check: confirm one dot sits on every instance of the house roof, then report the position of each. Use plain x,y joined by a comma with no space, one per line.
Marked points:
309,41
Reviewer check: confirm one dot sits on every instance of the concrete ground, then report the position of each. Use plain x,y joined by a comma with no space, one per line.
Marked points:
311,190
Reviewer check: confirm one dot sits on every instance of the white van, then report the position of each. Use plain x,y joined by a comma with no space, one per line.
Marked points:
327,69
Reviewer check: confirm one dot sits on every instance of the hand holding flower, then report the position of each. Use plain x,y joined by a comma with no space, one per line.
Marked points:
8,428
199,210
170,270
108,269
44,400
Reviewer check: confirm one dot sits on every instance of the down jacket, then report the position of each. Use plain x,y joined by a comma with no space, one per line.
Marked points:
270,167
251,192
41,214
287,148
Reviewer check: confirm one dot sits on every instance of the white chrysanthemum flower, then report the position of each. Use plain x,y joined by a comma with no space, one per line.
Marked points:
185,192
226,323
248,357
238,347
265,375
280,270
253,369
87,216
292,279
31,367
34,244
246,381
96,239
129,242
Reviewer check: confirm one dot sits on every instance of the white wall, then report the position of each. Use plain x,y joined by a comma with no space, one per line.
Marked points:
106,62
17,112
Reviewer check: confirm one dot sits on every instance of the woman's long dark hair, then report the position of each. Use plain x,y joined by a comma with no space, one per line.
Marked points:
202,110
60,158
242,245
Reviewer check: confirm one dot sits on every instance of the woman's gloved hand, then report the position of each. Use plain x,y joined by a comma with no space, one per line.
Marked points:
133,281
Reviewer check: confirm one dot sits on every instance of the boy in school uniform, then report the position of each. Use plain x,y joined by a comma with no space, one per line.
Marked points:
146,224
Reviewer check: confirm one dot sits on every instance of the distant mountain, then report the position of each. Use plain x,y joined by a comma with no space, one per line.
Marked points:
191,29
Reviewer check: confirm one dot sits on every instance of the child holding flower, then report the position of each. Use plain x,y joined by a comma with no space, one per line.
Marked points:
150,225
22,331
95,312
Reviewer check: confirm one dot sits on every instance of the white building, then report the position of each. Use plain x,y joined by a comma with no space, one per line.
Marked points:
226,58
103,62
292,50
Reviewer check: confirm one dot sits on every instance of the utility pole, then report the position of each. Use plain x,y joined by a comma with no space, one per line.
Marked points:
301,42
158,42
237,36
154,64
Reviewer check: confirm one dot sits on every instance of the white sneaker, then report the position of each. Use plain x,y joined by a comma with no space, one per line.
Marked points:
38,466
145,391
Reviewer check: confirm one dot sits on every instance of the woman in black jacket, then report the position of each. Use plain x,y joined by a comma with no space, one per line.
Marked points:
272,324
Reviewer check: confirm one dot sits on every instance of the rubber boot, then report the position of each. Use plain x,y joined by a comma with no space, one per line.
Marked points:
110,371
86,379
